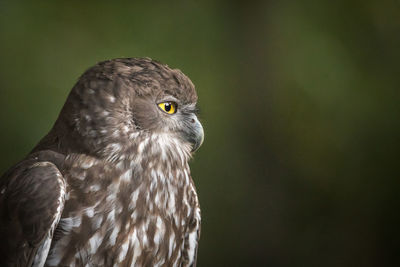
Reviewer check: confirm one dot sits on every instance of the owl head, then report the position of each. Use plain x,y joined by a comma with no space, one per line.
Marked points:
120,106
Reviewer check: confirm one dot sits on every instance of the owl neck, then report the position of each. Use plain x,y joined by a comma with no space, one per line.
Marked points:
150,149
155,160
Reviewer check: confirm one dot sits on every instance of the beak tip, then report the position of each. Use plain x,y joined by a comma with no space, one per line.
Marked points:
198,142
199,138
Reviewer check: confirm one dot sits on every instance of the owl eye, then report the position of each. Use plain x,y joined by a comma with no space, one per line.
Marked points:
168,107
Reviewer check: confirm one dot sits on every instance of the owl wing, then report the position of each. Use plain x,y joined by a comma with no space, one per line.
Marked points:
31,202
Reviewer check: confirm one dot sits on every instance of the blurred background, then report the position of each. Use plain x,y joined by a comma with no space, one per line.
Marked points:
299,100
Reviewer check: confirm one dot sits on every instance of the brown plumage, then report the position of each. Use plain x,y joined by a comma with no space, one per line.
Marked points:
110,184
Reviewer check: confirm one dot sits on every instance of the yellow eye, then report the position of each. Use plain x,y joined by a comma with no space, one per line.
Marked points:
168,107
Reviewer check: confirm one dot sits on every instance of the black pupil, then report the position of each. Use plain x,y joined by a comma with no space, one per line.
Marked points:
167,107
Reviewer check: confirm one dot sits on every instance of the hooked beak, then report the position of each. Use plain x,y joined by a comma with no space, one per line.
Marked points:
193,132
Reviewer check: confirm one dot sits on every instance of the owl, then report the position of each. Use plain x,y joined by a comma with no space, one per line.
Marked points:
110,184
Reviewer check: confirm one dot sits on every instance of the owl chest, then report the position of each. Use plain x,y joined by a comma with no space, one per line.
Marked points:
142,220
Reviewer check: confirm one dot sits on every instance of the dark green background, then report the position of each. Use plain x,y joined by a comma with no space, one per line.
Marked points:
299,100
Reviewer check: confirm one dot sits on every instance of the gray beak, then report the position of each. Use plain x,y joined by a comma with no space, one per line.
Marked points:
193,132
